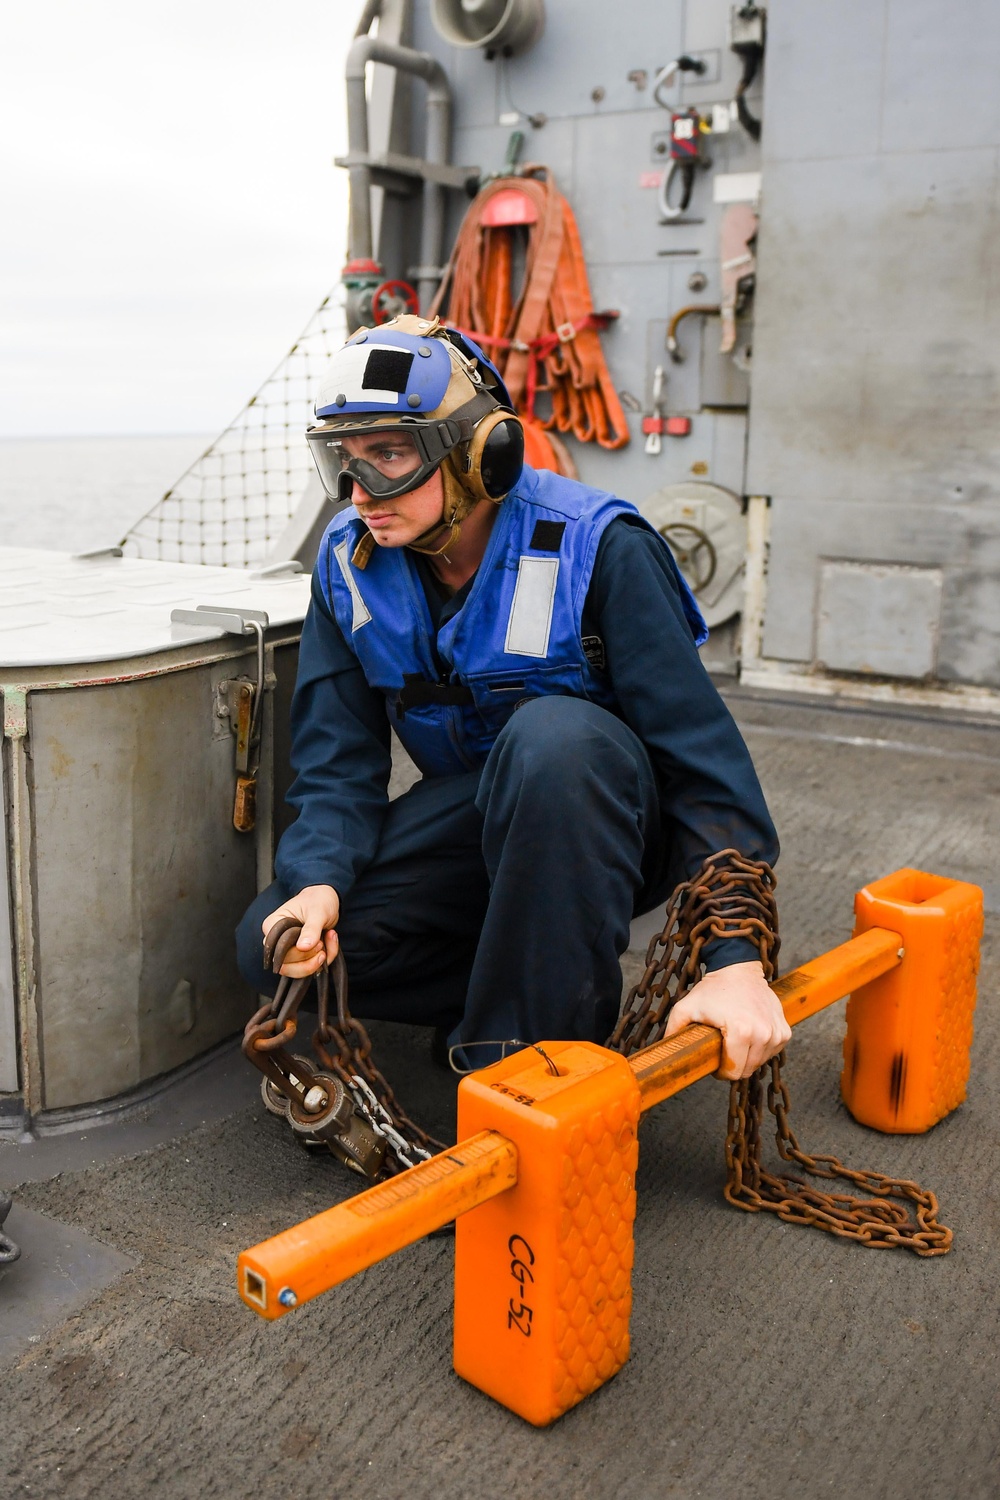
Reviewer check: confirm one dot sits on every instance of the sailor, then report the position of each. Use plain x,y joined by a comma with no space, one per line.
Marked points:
534,646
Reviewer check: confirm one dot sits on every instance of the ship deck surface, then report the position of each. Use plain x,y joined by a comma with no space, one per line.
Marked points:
766,1360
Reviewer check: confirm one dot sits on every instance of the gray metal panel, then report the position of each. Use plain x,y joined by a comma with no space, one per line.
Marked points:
970,644
940,81
605,193
824,72
878,617
964,540
729,435
574,56
876,389
8,1005
140,876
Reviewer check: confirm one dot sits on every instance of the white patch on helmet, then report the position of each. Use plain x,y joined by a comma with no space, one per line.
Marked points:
345,373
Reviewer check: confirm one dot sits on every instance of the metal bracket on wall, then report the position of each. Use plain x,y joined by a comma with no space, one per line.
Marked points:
234,700
240,700
404,174
20,1001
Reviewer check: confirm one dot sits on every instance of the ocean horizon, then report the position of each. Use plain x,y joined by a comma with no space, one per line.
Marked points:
71,494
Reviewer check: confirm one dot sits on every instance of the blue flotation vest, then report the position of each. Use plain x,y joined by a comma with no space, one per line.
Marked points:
517,636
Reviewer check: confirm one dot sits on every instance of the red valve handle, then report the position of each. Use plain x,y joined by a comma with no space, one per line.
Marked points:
393,291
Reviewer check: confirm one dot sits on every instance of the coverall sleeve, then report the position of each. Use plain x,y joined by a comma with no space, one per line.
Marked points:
710,795
341,759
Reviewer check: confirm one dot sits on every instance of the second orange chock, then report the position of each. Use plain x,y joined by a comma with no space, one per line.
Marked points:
909,1032
542,1181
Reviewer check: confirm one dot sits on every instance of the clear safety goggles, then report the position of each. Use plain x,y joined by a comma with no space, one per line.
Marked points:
388,458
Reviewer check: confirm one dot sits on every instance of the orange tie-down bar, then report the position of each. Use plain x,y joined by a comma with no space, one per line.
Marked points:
541,1183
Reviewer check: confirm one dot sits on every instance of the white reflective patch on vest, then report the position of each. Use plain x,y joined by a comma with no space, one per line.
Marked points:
345,373
531,612
361,612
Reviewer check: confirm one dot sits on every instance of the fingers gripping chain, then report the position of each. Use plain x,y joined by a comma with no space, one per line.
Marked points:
730,896
346,1106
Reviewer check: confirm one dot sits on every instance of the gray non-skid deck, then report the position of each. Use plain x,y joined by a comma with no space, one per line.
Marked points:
767,1360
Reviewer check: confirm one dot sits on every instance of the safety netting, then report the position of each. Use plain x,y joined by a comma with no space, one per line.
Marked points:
232,504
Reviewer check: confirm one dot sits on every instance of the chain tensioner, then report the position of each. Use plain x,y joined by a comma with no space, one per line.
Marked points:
345,1106
732,896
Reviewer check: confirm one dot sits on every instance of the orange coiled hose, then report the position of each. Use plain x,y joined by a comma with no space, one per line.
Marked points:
543,336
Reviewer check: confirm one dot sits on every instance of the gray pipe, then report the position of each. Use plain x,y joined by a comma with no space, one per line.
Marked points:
366,49
372,9
359,233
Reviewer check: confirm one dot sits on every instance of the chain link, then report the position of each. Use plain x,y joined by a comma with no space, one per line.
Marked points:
9,1252
343,1049
732,896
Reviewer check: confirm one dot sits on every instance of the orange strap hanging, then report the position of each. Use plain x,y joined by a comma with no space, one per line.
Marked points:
544,337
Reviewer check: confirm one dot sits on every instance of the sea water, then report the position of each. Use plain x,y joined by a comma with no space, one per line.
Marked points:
73,494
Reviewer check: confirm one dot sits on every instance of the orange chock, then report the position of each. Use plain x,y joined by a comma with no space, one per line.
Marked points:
909,1032
542,1181
543,1272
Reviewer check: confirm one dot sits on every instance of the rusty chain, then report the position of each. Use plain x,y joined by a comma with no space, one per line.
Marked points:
732,896
729,897
9,1252
346,1106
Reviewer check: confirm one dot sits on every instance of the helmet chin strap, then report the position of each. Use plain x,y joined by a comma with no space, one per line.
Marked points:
458,504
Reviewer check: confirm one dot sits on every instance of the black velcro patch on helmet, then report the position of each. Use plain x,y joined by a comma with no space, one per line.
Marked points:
547,536
387,370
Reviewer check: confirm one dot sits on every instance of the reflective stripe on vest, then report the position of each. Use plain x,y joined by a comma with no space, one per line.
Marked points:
359,610
530,619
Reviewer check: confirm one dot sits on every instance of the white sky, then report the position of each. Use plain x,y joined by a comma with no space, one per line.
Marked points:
171,212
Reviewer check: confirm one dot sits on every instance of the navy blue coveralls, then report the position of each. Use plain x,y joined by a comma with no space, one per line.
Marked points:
496,903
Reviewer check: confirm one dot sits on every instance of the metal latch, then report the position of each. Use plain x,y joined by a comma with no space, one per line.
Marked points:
239,699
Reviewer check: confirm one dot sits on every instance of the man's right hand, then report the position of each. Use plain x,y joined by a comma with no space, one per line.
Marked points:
317,907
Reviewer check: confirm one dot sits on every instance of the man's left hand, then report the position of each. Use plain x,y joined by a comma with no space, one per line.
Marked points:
740,1003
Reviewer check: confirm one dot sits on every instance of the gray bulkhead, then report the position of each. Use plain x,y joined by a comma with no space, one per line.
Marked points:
604,138
875,423
873,433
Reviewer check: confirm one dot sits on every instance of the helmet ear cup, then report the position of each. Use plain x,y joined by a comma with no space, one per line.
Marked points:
495,456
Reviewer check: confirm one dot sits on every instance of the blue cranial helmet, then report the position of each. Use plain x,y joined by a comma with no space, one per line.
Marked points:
385,371
414,376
